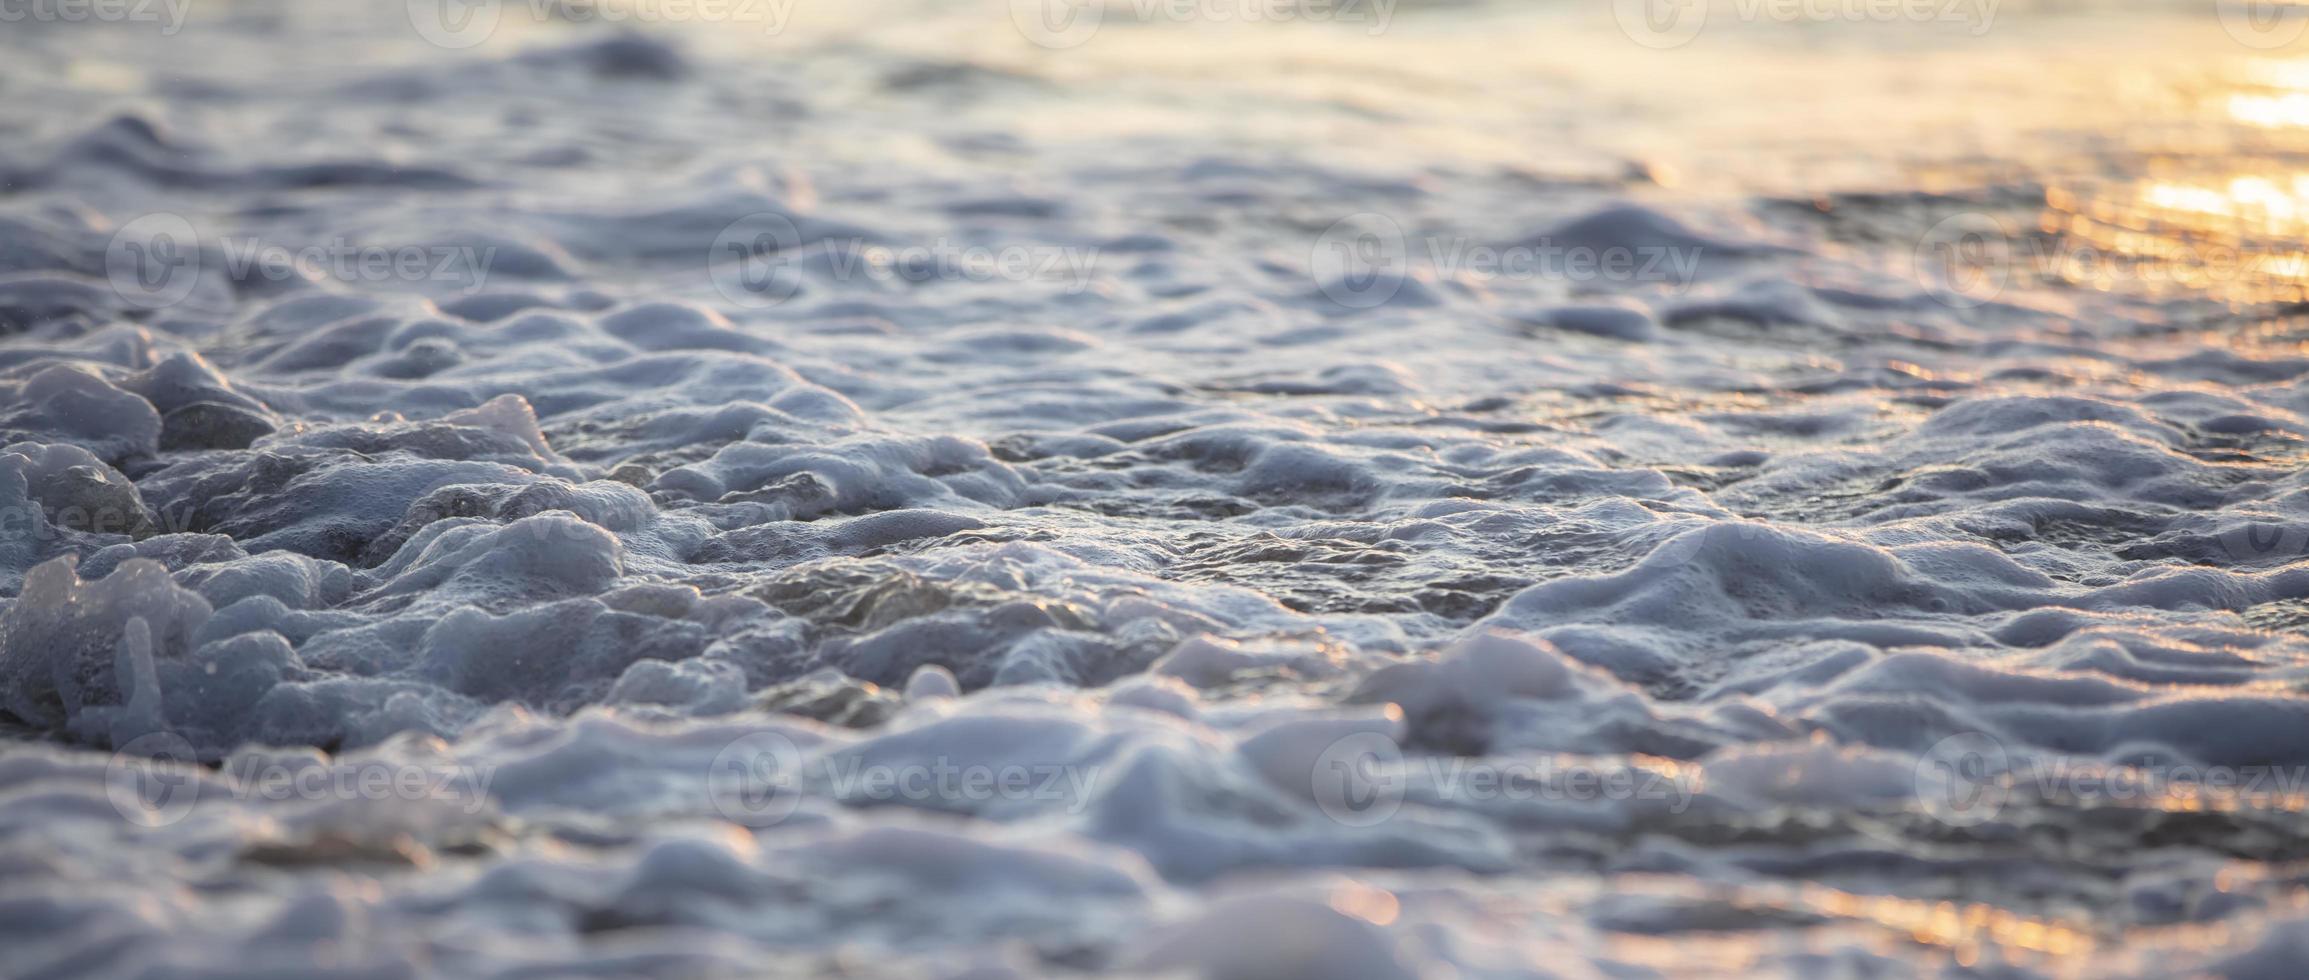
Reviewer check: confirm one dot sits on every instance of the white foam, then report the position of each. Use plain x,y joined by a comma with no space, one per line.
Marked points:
1201,607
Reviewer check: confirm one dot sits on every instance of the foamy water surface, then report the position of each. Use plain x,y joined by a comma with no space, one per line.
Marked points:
908,489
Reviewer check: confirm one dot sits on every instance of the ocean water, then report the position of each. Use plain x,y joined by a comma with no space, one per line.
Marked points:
985,489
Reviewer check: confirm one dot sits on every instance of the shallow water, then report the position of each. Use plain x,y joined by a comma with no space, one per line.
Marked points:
1448,490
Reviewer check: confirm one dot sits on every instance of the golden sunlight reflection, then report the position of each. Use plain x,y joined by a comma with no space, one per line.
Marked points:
2276,93
2289,109
2269,203
1962,928
1374,905
2194,186
2221,219
2233,239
